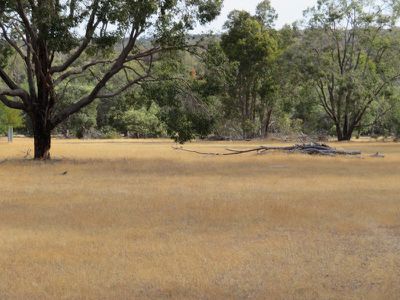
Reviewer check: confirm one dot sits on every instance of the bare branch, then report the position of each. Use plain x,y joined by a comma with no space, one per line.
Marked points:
11,42
7,80
25,20
12,104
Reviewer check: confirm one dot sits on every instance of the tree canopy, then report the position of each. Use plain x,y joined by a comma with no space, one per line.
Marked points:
350,54
251,48
52,36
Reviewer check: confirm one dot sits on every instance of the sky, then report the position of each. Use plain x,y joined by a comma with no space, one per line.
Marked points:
289,11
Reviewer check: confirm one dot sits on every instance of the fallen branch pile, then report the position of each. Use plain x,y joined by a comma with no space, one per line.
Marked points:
310,149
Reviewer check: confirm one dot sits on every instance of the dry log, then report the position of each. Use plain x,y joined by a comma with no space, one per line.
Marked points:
378,155
310,149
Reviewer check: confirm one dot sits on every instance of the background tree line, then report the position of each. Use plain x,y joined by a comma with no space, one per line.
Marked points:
335,73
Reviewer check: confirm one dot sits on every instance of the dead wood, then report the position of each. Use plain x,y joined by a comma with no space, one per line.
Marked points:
378,155
309,149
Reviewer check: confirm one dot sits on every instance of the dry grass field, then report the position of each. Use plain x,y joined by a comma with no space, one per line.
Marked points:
138,220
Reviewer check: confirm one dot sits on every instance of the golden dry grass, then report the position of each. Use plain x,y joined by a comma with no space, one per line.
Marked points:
137,220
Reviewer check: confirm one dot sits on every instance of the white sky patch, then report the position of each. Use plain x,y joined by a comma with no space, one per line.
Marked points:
289,11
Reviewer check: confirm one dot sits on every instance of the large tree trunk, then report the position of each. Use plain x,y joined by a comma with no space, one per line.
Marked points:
42,140
344,138
344,134
347,136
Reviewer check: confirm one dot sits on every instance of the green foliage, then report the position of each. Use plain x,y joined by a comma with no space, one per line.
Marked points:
81,123
143,122
9,117
97,41
184,126
387,119
108,132
186,112
349,53
247,42
395,122
266,13
251,50
5,53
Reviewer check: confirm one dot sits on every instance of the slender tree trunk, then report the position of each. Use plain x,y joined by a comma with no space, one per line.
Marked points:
339,133
350,129
267,123
42,139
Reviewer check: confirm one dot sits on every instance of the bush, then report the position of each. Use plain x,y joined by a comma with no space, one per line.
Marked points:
9,117
109,132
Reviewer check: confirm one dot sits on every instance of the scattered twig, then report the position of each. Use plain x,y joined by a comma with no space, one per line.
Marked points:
28,153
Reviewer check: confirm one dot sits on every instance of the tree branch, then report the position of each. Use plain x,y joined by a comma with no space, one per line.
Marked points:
11,42
80,71
25,20
90,29
116,67
12,104
124,88
7,80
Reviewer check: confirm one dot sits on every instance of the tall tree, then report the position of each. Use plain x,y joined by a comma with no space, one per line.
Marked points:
266,14
52,36
251,48
350,54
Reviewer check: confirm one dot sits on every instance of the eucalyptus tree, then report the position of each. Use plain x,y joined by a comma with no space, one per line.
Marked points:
52,36
251,48
350,52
